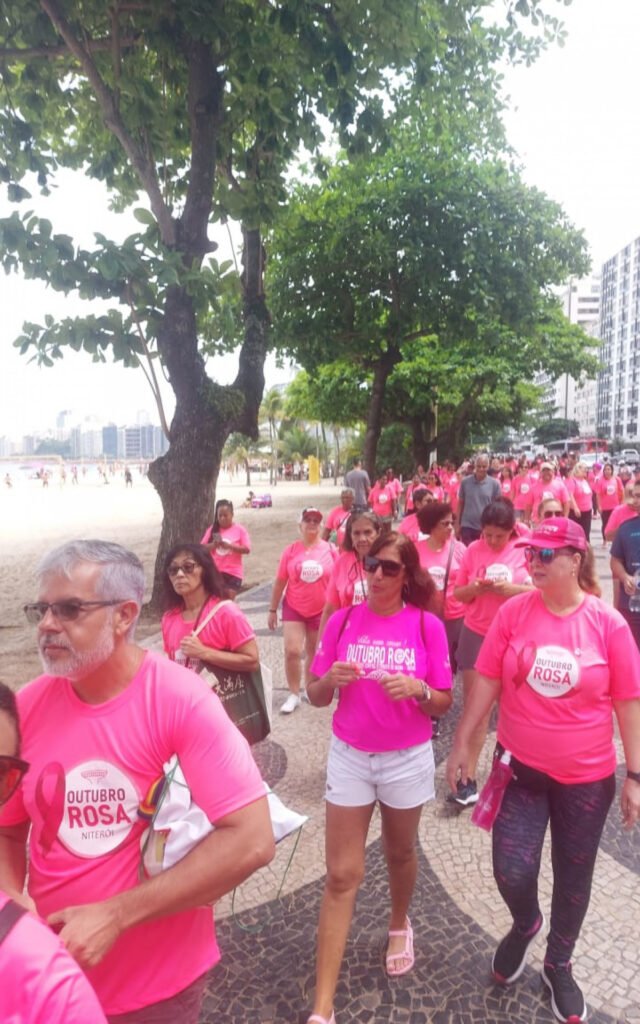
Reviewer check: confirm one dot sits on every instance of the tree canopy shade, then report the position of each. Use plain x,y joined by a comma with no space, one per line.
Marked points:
427,270
191,113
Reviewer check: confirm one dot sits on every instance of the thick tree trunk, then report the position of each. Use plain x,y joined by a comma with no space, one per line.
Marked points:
382,370
423,437
206,413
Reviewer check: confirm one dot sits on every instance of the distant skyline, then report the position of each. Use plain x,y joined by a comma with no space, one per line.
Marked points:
573,124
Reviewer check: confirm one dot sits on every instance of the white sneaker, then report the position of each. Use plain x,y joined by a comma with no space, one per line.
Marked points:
291,703
304,697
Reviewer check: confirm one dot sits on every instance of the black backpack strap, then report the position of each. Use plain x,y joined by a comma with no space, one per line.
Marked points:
9,915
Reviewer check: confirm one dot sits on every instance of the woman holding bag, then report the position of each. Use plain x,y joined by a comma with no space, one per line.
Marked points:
200,627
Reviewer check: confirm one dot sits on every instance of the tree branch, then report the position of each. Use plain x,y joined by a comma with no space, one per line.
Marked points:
52,52
152,380
144,168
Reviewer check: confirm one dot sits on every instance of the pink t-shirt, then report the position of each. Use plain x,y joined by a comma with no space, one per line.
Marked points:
560,674
521,495
381,500
223,559
337,520
610,491
348,583
228,630
41,982
435,562
619,516
506,486
452,489
91,765
411,528
540,491
307,572
411,642
581,491
479,562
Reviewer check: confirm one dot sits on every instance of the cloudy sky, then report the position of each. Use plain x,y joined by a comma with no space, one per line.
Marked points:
573,121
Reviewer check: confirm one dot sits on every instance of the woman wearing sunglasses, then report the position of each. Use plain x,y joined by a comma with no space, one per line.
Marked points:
387,660
348,583
492,570
201,626
41,982
560,661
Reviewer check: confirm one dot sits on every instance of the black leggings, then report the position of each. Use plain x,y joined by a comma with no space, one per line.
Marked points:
577,814
605,516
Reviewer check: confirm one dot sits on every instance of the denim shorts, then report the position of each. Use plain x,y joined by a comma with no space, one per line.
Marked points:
398,778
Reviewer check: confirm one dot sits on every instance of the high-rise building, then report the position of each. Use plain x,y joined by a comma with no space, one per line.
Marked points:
566,398
619,379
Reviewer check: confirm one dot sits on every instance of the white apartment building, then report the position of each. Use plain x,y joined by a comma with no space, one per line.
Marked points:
619,379
565,397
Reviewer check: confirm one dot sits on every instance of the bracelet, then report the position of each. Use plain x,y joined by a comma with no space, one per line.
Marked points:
633,775
426,693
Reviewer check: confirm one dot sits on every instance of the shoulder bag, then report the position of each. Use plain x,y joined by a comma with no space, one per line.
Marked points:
242,693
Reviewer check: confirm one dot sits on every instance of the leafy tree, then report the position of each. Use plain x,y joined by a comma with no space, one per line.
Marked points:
191,114
430,271
556,429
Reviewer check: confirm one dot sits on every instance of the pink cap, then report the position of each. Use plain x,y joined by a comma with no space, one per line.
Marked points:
311,515
556,532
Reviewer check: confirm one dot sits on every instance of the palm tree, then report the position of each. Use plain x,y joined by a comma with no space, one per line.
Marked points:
271,410
240,450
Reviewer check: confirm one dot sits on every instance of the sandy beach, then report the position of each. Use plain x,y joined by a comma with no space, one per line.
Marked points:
35,519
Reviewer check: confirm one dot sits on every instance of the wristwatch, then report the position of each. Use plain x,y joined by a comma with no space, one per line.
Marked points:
426,692
633,775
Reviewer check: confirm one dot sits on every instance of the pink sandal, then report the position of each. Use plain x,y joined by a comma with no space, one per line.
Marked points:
317,1019
406,954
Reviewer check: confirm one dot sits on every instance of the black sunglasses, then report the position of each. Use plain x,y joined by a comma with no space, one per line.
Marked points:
64,611
186,567
550,514
12,770
389,568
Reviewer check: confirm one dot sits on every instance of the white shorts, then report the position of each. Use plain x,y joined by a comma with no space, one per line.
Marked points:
398,778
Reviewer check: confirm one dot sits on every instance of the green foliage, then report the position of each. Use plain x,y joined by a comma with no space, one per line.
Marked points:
556,429
394,449
440,262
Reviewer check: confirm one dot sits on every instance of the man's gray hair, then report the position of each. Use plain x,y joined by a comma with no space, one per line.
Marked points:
122,576
347,490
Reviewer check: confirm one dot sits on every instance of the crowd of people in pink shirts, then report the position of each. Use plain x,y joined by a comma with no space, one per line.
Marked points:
484,569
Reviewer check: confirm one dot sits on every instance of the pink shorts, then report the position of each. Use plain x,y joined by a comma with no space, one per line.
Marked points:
289,614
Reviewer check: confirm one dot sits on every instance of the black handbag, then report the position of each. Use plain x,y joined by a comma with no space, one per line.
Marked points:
241,693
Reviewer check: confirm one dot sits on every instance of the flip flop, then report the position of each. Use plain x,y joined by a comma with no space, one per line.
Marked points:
317,1019
406,954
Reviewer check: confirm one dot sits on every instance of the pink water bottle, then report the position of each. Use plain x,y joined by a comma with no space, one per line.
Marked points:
489,802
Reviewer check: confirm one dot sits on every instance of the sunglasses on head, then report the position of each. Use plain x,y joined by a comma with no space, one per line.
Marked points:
388,567
186,567
544,555
64,611
12,770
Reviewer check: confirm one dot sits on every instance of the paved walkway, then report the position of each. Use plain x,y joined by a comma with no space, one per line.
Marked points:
266,975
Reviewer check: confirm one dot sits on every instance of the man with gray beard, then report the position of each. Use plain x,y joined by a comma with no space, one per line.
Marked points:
98,727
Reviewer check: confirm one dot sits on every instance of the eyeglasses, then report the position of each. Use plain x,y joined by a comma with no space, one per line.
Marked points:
12,770
544,555
187,568
388,567
64,611
550,514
